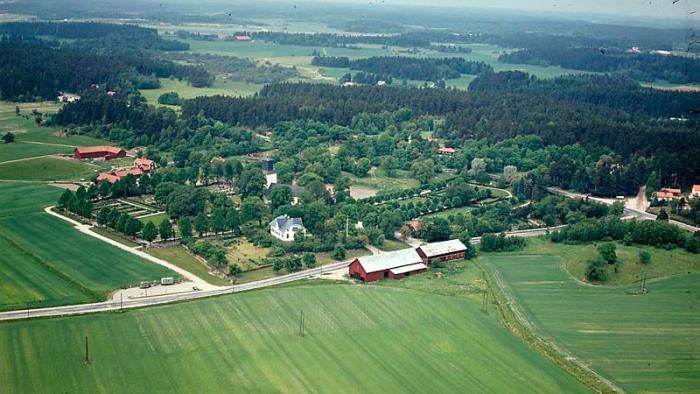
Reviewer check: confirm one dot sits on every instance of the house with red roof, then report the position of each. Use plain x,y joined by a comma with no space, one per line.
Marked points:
695,192
144,164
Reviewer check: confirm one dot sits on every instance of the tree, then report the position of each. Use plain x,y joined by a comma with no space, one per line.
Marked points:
339,252
165,229
309,260
478,169
233,219
596,271
8,138
607,252
132,227
201,224
234,270
103,216
389,165
277,265
509,173
149,232
424,170
663,215
281,195
251,182
218,222
644,257
252,208
65,197
184,225
105,189
436,229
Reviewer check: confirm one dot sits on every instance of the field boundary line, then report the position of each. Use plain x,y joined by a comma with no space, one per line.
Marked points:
516,321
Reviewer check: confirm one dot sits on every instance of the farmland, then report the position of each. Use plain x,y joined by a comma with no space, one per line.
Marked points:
48,168
220,87
254,338
644,343
49,263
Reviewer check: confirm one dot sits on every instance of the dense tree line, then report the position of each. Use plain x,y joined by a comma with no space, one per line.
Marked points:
422,69
650,232
31,70
106,36
639,66
612,91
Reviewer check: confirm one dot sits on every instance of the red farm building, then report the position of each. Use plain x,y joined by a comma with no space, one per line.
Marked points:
442,251
97,152
394,265
144,164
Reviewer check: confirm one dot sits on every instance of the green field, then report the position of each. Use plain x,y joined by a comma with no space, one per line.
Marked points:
47,169
644,343
46,262
220,87
155,219
178,255
357,339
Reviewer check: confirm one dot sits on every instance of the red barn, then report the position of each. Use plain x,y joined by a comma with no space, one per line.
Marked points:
394,265
95,152
105,176
442,251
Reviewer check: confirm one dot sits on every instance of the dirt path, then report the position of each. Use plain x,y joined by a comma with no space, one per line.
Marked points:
47,143
25,159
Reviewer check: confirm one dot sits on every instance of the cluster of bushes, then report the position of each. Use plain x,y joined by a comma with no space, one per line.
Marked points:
407,193
215,254
653,233
501,243
293,263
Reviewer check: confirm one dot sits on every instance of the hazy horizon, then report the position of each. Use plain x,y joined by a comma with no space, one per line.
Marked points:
633,8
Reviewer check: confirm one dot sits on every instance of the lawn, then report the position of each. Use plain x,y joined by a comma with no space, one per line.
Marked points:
114,236
393,244
48,262
47,169
357,339
644,343
155,219
180,257
19,150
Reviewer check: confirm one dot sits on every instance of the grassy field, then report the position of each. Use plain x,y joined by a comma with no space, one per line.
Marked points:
46,262
26,130
220,87
644,343
357,339
663,262
393,244
114,236
47,169
179,256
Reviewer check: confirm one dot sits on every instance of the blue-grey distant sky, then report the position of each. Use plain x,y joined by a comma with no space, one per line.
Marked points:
656,8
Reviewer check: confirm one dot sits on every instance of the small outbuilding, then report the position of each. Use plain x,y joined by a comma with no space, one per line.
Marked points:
442,251
394,265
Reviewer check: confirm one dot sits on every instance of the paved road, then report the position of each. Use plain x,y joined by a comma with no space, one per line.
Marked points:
115,305
628,211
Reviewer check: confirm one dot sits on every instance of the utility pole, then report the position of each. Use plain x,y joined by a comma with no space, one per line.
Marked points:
347,224
87,353
485,302
121,301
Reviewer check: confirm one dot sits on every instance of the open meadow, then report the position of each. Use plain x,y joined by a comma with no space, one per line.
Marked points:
356,339
643,343
45,262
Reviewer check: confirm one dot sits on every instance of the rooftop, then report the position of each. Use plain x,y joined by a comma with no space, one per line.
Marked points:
94,149
285,223
391,260
445,247
409,268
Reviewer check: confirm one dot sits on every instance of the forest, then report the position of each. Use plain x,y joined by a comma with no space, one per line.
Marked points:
421,69
640,66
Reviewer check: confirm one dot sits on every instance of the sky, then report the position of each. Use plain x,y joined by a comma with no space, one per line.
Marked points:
653,8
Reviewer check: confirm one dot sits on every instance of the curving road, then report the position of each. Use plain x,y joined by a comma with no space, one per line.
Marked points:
628,211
